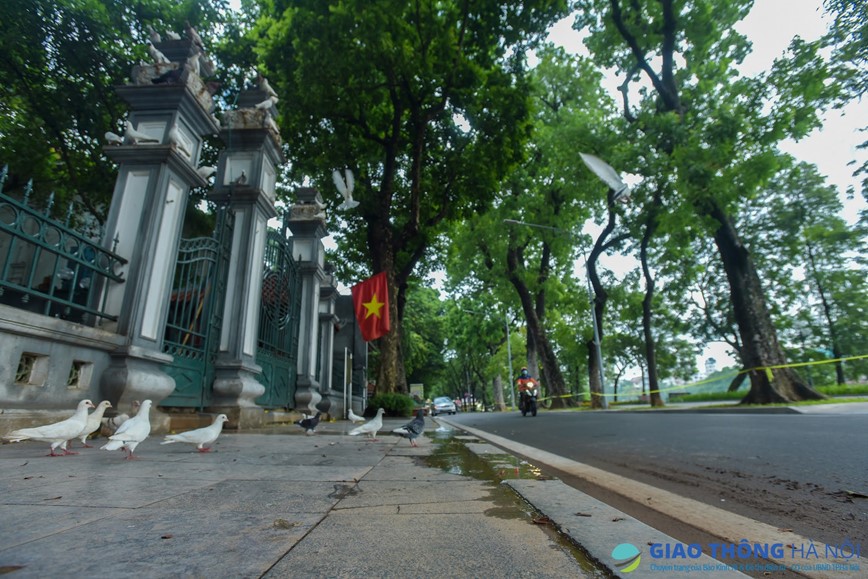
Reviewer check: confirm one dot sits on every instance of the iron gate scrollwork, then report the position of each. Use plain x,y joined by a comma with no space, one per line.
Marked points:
195,313
279,318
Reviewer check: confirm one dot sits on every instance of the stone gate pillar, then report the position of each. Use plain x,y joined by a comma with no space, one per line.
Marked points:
246,177
170,112
332,400
307,223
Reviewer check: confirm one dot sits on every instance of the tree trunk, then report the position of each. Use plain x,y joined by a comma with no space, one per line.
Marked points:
497,387
390,372
551,372
650,345
532,355
827,314
594,384
762,352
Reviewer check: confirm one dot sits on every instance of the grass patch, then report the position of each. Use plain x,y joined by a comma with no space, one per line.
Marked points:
832,390
845,390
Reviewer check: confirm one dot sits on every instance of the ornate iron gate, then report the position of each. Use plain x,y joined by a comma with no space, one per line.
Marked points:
279,318
195,313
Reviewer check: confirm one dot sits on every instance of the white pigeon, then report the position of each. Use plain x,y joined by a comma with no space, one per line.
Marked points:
353,417
159,57
413,429
136,137
113,139
201,437
205,171
267,103
370,428
153,35
132,432
111,425
175,139
172,35
94,420
622,195
265,87
56,433
345,188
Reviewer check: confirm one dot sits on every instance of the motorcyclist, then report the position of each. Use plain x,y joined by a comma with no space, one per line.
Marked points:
525,383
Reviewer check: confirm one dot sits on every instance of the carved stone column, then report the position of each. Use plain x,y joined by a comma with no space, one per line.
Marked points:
246,176
157,168
307,223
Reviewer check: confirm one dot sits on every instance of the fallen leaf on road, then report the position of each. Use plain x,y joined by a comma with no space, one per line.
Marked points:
583,514
284,524
166,536
616,519
541,521
53,498
857,494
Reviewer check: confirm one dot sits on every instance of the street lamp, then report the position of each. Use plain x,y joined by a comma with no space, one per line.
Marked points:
603,402
508,353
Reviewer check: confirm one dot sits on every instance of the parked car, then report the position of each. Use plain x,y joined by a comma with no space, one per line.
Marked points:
443,405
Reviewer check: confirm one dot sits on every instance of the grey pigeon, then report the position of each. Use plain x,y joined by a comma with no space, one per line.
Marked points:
56,433
193,35
111,425
413,429
370,428
172,35
132,432
193,63
201,437
171,77
309,423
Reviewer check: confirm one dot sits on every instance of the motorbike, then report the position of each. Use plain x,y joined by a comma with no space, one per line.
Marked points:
527,399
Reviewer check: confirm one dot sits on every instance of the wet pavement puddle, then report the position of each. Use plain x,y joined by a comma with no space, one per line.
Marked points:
453,455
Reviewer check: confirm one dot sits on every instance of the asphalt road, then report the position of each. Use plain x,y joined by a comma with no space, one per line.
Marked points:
788,470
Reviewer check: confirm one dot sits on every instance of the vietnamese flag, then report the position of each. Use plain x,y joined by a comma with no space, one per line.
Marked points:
371,303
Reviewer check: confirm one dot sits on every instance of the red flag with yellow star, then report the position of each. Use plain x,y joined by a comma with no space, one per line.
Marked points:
371,303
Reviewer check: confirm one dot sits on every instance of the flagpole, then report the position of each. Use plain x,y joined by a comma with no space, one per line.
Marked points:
346,400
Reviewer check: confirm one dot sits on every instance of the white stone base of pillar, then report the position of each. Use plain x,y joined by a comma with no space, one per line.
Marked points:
137,374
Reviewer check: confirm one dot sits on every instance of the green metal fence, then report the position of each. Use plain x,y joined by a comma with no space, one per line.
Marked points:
196,314
279,319
46,267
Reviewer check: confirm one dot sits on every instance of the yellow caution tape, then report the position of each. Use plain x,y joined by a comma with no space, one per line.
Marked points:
766,369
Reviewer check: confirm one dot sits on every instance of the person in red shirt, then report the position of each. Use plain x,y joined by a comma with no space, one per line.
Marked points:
525,383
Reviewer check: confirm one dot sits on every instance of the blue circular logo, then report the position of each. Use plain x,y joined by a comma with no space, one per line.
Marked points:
627,557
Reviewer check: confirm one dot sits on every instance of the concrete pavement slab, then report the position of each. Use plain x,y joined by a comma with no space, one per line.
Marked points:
433,545
157,542
262,504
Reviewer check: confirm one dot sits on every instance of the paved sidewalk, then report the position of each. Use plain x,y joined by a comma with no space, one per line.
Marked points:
267,505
